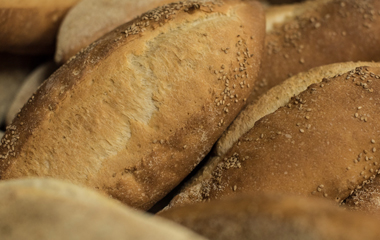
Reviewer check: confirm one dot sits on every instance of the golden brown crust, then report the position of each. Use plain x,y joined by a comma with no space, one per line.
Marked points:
273,217
323,143
91,19
28,87
50,209
31,26
134,126
320,32
277,97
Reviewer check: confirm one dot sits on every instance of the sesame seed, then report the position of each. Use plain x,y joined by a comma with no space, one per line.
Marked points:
373,141
302,131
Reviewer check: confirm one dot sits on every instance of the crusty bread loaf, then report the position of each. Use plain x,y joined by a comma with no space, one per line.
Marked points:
322,143
132,116
45,209
91,19
317,33
31,26
28,87
13,71
1,134
272,217
277,97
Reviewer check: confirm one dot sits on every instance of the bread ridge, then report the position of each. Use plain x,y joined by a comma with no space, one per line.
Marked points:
208,178
137,179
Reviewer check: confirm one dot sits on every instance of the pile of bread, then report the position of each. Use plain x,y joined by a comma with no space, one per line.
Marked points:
224,119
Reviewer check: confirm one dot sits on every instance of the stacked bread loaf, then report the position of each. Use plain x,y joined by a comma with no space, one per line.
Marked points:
144,104
258,107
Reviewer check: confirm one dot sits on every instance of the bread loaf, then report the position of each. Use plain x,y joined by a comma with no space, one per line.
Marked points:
322,143
272,217
277,97
31,26
132,116
91,19
43,209
1,134
317,33
28,87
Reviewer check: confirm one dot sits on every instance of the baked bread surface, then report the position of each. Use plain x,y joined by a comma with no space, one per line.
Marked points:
137,110
317,33
322,143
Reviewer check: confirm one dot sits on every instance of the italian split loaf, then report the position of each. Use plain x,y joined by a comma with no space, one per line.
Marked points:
323,142
31,26
271,217
44,209
316,33
132,115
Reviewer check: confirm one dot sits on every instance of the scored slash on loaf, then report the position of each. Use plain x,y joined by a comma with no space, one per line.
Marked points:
137,110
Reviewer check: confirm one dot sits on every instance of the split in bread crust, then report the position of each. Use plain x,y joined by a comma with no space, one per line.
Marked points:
366,199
